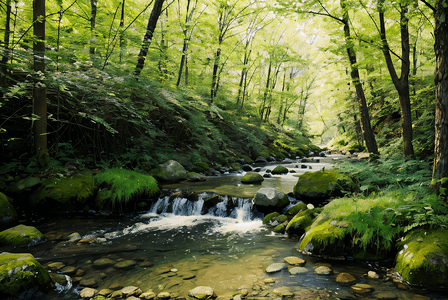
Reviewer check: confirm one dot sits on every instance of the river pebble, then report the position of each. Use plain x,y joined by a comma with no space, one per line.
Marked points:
163,296
55,266
345,278
105,292
117,294
295,261
298,270
88,293
202,292
68,270
386,295
125,264
148,295
103,263
323,270
361,288
145,264
373,275
131,291
276,267
284,291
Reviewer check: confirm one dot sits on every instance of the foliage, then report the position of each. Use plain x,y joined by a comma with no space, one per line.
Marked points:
126,185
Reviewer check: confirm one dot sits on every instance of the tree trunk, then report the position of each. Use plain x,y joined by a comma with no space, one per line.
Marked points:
401,83
366,128
4,61
122,41
93,4
152,22
215,74
40,90
440,169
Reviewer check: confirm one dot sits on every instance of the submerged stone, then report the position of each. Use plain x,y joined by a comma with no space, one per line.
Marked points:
270,199
298,270
202,293
88,293
361,288
276,267
295,261
323,270
346,278
284,291
125,264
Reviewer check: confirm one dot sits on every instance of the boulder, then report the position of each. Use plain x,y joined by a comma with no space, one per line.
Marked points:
247,167
280,170
21,236
251,177
300,222
423,257
20,272
8,213
314,187
261,159
212,201
170,171
270,199
25,185
194,177
64,193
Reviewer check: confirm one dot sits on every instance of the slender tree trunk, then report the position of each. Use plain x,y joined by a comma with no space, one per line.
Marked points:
215,73
182,60
440,169
122,41
93,4
366,128
4,61
401,83
40,90
266,91
152,22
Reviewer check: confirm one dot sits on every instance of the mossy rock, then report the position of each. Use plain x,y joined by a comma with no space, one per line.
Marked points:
21,236
235,166
194,177
301,222
269,217
327,238
270,200
281,218
120,186
203,166
423,257
279,228
316,186
8,213
252,177
70,193
247,159
20,272
280,170
296,208
24,185
171,171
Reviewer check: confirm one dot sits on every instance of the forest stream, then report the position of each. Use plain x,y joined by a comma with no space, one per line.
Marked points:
174,248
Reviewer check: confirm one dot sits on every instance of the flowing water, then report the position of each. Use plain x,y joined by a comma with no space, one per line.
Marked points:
179,244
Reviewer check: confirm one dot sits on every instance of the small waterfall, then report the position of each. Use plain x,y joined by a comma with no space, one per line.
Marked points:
61,288
240,209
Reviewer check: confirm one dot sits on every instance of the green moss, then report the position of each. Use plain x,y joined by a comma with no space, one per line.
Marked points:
268,217
301,221
281,218
297,208
170,171
423,257
193,176
252,177
21,236
7,210
204,166
279,228
323,184
19,272
326,239
280,170
125,185
24,184
76,190
247,159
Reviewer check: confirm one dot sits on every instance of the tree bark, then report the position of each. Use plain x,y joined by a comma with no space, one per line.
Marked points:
4,61
366,128
401,83
39,90
122,41
440,169
152,22
93,6
215,73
